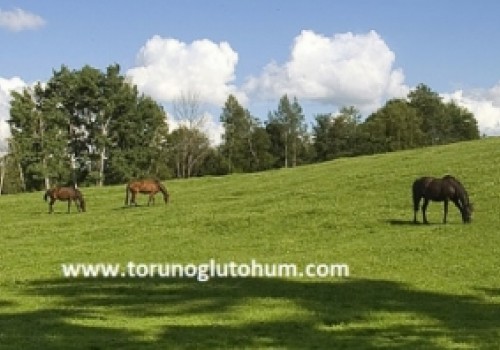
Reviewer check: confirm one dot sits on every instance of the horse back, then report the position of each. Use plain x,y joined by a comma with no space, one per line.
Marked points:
420,184
144,186
432,188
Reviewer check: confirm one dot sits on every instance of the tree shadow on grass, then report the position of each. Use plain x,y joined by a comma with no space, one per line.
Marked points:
4,303
492,292
234,313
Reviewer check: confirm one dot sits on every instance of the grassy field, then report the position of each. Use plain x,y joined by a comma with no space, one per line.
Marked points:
411,286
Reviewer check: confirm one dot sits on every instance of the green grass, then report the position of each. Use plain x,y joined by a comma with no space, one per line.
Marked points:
411,286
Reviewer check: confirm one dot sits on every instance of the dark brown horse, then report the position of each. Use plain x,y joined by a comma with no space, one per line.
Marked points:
67,194
444,190
150,187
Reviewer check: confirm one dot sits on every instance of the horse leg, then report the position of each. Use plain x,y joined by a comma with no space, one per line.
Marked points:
445,210
69,205
132,199
416,204
51,205
424,208
460,207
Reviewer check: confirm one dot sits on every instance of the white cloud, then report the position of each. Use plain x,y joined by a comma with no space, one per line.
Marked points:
345,69
18,20
167,67
213,129
484,104
6,87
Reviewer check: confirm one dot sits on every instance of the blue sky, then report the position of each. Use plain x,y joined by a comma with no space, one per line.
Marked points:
326,53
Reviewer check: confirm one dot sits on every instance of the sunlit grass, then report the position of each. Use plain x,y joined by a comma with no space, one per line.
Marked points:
411,286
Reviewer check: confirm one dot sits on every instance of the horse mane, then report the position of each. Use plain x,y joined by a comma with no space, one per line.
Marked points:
462,193
80,198
162,188
78,193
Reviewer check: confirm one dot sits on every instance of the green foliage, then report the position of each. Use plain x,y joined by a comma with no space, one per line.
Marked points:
411,286
246,144
463,126
421,120
338,136
138,140
396,126
39,137
441,123
288,132
92,118
94,128
189,148
215,163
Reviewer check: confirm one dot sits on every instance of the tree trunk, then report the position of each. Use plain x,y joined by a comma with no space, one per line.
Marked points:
286,150
102,155
189,165
3,164
101,166
21,176
45,175
178,165
44,157
73,171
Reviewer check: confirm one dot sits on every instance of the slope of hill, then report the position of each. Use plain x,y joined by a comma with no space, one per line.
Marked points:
420,286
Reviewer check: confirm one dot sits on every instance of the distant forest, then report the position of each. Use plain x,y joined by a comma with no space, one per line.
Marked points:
94,128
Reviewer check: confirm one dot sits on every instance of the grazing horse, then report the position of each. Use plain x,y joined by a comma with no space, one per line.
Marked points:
67,194
150,187
445,189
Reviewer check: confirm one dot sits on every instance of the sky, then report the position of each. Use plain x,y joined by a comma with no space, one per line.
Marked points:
326,53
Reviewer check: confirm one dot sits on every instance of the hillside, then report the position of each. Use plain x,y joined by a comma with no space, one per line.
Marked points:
411,286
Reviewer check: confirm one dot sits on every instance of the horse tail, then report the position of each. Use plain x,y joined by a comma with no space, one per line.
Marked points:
127,190
47,194
417,193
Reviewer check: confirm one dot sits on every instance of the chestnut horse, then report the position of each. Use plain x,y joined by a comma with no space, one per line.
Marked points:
441,190
150,187
67,194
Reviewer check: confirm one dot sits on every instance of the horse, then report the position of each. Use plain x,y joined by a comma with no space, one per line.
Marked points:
445,189
150,187
67,194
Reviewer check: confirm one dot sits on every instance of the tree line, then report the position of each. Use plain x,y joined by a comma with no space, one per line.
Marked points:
92,127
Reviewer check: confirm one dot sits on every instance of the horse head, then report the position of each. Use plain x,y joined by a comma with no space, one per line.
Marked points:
82,204
166,197
79,197
467,213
